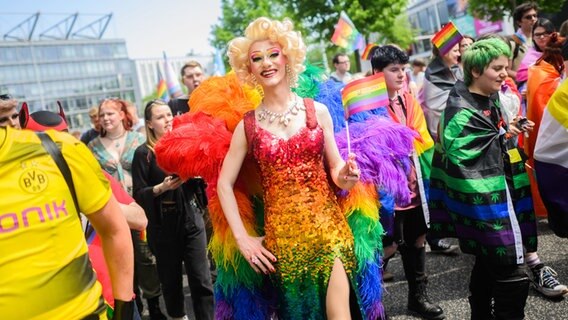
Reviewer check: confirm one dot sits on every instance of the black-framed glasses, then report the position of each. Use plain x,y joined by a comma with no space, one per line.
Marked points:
5,97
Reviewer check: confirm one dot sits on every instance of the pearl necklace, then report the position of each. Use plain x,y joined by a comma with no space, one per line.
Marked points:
284,117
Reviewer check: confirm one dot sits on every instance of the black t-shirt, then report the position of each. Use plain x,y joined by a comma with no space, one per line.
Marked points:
179,106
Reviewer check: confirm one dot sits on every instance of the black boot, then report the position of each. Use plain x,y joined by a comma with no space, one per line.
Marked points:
154,309
413,260
418,302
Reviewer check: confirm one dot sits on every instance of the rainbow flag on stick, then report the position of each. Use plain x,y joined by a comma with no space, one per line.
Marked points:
172,81
365,94
368,49
161,88
346,35
447,38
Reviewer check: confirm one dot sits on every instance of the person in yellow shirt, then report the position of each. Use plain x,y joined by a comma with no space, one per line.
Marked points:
42,246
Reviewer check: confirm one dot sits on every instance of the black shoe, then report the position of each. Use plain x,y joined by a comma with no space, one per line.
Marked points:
444,247
154,309
420,304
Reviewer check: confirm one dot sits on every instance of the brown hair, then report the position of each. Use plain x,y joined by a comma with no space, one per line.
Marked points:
190,64
119,105
7,103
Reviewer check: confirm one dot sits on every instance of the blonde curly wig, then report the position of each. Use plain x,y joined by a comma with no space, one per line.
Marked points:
263,28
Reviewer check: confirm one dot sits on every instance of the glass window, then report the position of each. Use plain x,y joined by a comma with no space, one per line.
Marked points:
433,25
48,53
111,83
24,54
104,51
128,96
424,23
443,12
122,52
88,51
127,81
9,54
80,103
68,52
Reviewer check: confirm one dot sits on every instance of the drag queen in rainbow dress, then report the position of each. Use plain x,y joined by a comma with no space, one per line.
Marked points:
308,247
296,227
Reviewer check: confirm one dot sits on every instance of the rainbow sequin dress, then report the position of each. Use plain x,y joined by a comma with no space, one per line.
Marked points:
304,225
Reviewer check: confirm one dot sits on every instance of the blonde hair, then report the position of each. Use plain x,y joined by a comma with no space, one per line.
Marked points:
94,111
151,138
261,29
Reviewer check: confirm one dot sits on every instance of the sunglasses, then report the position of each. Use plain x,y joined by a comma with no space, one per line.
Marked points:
12,117
5,97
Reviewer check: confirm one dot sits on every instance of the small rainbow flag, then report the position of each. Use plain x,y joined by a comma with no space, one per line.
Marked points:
368,49
365,94
161,88
346,35
447,38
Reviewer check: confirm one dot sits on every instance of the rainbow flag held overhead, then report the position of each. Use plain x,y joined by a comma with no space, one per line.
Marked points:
346,35
161,88
368,49
364,94
172,81
447,38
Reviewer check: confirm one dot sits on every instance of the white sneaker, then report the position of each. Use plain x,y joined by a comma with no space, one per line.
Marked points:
546,283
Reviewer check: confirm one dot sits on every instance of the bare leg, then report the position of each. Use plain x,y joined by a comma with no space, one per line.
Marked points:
337,299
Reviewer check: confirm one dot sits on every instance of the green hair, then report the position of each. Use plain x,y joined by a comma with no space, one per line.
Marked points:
481,54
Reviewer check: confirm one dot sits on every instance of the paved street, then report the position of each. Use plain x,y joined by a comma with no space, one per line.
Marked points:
449,278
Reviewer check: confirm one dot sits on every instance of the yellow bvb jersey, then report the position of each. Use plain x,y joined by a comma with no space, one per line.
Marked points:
45,271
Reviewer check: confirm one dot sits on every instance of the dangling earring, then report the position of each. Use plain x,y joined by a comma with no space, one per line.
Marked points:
257,86
291,76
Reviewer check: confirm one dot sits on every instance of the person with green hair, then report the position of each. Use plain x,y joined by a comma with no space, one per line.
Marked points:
479,191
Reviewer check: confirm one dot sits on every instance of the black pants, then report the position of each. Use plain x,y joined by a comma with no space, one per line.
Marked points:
498,291
180,239
145,273
408,226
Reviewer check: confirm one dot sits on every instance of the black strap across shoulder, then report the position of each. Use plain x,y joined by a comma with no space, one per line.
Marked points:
51,147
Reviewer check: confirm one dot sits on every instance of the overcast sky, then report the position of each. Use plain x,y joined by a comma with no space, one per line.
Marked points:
149,27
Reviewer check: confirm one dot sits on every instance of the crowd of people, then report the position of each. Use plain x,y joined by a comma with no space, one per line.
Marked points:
467,126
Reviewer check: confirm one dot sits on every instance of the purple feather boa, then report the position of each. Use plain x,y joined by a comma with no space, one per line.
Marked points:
383,150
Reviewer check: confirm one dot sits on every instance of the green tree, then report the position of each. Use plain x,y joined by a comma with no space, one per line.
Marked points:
237,14
385,18
316,20
495,9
